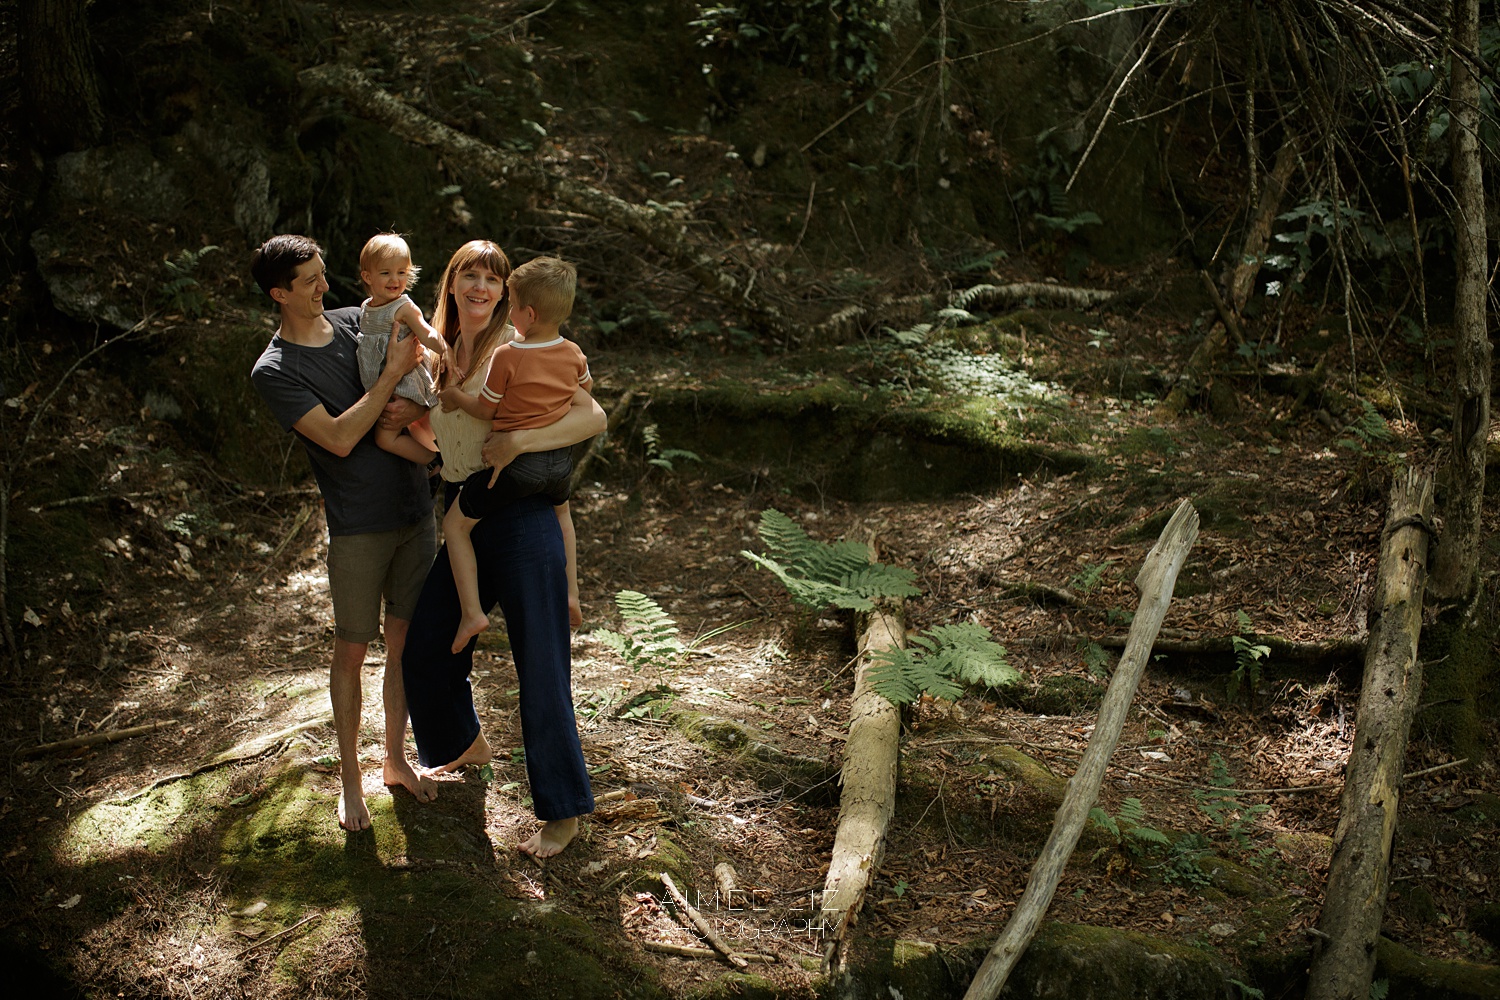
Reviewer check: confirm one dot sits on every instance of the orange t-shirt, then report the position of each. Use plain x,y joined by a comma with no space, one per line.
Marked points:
532,385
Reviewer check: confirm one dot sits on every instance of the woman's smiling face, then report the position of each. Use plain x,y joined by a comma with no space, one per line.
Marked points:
477,291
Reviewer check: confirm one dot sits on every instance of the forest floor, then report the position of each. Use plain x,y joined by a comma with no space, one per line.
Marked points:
220,629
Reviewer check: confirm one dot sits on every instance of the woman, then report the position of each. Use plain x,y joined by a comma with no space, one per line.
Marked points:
522,566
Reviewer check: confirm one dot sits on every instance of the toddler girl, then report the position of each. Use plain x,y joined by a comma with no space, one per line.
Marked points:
386,270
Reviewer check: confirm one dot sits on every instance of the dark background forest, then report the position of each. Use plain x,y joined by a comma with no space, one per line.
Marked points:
991,285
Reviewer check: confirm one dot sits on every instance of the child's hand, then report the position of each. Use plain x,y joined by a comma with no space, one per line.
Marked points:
451,398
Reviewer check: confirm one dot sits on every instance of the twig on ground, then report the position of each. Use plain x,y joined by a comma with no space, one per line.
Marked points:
684,951
94,739
279,934
701,925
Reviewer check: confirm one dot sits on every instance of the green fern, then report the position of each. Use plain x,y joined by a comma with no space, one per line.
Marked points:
1128,828
650,638
1247,659
941,661
821,574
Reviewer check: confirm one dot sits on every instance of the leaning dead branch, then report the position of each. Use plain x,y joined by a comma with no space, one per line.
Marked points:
868,802
1156,580
1359,875
657,228
912,308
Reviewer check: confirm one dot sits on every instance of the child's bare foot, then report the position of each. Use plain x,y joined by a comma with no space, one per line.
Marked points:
468,629
398,772
478,754
353,814
575,612
554,835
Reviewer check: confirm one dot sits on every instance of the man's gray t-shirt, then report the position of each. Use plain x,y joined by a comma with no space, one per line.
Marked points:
370,489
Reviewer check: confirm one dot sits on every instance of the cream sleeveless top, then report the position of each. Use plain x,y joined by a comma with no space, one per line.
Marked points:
460,437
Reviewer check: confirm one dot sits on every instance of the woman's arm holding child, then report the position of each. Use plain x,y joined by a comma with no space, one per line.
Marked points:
582,421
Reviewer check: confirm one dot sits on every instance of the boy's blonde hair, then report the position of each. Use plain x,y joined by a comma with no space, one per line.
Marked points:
548,285
388,246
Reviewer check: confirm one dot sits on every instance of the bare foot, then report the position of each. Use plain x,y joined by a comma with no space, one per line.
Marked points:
554,835
468,629
478,754
353,815
575,612
398,772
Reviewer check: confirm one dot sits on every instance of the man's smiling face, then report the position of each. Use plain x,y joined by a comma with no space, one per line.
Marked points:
304,299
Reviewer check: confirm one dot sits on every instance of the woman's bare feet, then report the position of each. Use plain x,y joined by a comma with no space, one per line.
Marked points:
478,754
468,629
554,835
398,772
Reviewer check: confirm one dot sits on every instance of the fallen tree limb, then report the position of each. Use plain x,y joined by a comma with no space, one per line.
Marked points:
251,750
1359,874
656,227
683,951
1241,281
868,800
279,934
94,739
1155,581
702,926
911,308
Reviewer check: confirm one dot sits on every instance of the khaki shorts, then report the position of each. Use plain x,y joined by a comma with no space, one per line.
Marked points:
364,568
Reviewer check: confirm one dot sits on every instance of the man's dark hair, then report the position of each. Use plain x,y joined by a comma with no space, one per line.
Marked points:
278,259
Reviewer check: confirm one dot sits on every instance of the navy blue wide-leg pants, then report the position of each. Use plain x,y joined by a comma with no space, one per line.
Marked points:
521,568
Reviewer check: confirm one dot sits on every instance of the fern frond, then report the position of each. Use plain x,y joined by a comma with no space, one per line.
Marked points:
969,654
789,544
902,678
880,580
813,594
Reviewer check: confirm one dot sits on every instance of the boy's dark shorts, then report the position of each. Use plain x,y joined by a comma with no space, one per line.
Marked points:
539,472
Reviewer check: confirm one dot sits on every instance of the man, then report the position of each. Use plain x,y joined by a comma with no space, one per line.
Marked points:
378,506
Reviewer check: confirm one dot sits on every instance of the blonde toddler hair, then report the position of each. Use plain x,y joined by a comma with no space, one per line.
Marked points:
388,246
548,285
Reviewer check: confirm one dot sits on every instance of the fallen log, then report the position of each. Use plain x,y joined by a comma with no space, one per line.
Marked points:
868,801
1155,581
595,446
657,228
1359,874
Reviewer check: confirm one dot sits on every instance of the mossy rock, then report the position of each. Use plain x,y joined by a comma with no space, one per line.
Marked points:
1027,770
736,986
1484,920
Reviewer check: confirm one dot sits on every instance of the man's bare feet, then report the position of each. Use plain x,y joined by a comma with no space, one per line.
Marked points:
575,612
353,814
398,772
478,754
554,835
468,629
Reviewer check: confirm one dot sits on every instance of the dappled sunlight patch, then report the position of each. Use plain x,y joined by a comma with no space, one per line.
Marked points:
151,822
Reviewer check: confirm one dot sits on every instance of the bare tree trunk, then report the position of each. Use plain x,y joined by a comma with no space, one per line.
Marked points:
1156,580
1359,875
1453,570
57,74
868,801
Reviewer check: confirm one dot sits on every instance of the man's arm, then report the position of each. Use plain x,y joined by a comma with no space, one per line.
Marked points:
582,421
341,433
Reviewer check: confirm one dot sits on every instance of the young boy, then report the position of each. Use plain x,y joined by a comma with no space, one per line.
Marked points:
531,383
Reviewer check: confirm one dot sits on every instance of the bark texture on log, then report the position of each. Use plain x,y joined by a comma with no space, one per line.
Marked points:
1359,874
868,801
1457,559
1155,581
